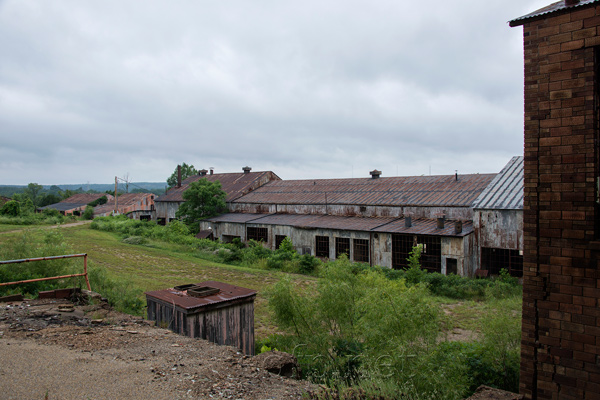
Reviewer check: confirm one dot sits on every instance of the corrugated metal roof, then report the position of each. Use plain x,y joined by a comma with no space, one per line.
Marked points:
85,198
234,184
552,8
235,217
506,191
393,191
181,299
426,226
64,206
123,200
420,226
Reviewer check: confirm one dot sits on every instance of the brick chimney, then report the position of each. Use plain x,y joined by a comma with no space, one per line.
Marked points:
375,174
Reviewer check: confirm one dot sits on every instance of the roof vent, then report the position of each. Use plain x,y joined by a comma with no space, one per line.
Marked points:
569,3
203,172
246,170
440,222
375,174
458,227
212,170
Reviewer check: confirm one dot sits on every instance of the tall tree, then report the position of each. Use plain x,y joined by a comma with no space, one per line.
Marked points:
33,191
186,172
203,199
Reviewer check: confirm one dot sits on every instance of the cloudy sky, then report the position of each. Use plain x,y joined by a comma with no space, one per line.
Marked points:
90,90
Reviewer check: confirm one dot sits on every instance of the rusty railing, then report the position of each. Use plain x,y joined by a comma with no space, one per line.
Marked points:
85,273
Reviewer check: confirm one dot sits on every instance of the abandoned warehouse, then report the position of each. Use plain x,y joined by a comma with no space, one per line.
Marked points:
378,220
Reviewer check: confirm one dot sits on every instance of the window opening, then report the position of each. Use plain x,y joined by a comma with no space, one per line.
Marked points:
342,246
431,256
258,234
361,250
494,260
278,240
451,266
322,246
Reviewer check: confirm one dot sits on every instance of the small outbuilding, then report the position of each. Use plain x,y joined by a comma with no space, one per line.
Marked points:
215,311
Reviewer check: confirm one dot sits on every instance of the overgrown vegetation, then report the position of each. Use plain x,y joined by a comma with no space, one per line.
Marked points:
361,330
358,329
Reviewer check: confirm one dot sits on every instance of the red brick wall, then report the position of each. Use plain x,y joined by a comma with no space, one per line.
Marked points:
561,310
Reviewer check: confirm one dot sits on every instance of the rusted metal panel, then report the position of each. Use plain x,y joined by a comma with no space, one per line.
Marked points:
425,226
179,298
394,191
500,229
225,318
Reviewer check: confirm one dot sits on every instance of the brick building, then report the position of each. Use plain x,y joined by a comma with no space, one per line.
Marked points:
560,352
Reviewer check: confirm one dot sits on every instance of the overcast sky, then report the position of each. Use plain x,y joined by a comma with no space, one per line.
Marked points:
90,90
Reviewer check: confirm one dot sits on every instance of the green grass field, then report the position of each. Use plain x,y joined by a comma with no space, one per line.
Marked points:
160,265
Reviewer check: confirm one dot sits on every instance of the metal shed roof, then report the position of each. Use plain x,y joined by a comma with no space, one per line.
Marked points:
234,184
180,298
444,190
505,192
427,226
552,8
420,226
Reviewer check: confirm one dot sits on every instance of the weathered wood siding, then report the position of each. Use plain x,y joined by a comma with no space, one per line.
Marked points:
230,324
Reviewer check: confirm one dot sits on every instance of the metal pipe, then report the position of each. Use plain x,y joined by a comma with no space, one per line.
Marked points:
85,273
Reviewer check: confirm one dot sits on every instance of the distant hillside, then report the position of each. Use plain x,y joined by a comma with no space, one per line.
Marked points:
154,187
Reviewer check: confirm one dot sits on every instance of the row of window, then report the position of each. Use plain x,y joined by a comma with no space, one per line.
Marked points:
431,257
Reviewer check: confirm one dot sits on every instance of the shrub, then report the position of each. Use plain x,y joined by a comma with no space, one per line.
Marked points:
11,208
88,213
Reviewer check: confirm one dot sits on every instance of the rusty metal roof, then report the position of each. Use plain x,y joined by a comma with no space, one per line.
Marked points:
124,200
324,221
392,191
426,226
557,7
236,217
180,298
234,184
506,190
85,198
420,226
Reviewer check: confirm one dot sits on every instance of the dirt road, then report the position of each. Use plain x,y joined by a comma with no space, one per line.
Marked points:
51,351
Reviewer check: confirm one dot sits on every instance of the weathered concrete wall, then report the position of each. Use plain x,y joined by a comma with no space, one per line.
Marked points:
166,209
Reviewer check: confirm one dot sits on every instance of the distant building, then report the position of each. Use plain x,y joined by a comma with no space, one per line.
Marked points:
134,205
76,204
235,185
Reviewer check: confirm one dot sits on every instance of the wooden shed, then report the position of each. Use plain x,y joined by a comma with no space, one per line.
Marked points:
211,310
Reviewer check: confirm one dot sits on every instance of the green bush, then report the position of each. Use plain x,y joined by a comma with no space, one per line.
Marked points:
88,213
11,208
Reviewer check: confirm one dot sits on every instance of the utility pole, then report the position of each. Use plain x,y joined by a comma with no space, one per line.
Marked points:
116,194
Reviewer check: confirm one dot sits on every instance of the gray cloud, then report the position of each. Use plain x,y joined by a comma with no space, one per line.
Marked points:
307,89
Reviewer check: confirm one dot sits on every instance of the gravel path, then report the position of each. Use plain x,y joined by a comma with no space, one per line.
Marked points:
52,350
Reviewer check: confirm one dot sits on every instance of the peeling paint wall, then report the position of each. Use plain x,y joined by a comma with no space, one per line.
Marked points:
498,229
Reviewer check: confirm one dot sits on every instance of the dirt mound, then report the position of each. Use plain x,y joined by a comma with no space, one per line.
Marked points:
61,350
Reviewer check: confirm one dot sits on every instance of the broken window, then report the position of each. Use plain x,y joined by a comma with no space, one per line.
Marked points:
342,246
431,256
278,240
258,234
494,260
361,250
322,246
